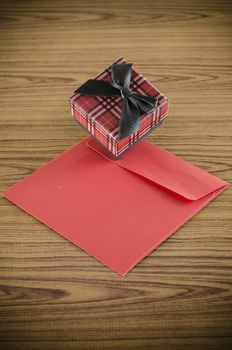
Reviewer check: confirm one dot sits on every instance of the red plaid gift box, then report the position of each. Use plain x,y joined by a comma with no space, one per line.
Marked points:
101,115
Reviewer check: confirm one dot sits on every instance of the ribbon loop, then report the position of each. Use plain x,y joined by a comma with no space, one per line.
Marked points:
134,104
121,75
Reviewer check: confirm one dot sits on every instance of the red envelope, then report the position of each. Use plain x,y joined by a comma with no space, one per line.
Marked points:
116,210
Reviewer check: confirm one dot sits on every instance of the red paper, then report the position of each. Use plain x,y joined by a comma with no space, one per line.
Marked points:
116,210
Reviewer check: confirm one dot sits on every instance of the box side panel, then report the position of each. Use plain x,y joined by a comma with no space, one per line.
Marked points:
146,125
109,143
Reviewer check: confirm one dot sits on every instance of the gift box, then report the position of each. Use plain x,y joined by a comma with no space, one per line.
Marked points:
123,112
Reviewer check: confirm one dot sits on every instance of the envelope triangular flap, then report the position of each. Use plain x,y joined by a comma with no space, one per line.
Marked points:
165,169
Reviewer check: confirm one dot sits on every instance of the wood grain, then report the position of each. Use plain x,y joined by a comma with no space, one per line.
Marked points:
52,294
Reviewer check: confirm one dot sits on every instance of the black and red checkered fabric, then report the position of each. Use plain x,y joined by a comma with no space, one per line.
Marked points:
101,115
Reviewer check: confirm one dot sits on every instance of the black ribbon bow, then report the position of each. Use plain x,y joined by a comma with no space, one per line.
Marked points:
134,104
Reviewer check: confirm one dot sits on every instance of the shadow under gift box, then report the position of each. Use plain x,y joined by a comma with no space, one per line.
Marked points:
100,116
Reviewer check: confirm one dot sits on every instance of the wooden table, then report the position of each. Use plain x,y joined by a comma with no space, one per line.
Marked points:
55,296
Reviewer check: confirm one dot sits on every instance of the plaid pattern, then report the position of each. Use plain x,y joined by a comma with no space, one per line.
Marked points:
101,115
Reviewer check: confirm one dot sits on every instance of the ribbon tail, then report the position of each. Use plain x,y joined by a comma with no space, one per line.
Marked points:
94,87
130,118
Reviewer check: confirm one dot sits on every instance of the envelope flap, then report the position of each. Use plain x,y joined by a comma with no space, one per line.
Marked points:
165,169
